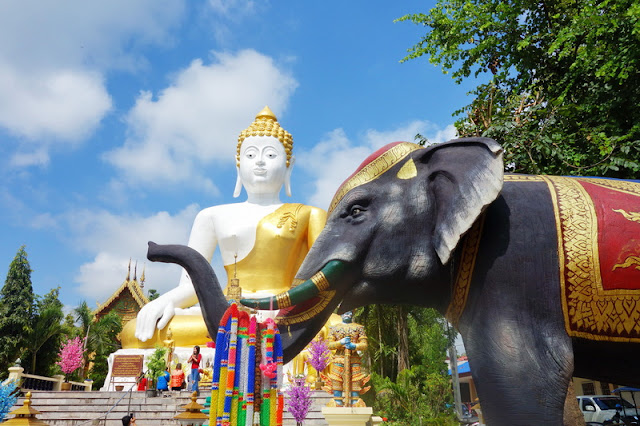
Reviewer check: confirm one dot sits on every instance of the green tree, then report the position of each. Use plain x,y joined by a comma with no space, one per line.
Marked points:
43,340
102,341
16,300
156,363
83,319
407,353
152,294
563,83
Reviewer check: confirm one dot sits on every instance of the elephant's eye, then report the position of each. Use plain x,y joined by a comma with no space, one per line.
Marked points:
355,210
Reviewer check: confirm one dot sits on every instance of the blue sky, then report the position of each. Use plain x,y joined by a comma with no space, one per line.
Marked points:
119,119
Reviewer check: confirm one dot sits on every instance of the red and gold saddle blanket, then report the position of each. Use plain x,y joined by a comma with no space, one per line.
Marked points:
598,225
598,228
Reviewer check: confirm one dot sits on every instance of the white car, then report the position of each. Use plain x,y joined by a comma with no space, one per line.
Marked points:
599,408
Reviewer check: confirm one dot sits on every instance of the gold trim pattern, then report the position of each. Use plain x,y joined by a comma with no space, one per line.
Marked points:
628,262
374,169
619,185
465,272
293,216
589,311
632,216
522,178
324,299
320,281
283,300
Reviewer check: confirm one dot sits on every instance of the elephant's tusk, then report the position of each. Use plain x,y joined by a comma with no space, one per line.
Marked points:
320,281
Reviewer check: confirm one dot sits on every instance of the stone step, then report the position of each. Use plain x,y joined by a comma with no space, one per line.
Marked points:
79,408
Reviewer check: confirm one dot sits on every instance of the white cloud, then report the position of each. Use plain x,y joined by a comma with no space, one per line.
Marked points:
53,59
114,239
333,159
196,120
63,105
226,7
38,157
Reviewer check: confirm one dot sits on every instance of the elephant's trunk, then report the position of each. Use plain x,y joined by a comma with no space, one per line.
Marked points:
295,334
212,301
321,281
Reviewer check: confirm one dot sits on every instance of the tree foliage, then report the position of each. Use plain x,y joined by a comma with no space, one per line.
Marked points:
16,300
45,335
564,82
407,353
152,294
102,341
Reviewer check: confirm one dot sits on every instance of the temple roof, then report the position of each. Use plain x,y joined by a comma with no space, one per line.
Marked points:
127,300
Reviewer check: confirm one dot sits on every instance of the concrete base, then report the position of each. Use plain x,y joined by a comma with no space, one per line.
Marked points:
347,416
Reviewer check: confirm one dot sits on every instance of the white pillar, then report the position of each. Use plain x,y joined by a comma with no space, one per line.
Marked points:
57,386
15,374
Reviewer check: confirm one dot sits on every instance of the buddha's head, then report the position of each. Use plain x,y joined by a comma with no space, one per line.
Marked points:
263,156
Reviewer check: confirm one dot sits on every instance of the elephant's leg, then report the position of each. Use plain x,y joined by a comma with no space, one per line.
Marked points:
521,373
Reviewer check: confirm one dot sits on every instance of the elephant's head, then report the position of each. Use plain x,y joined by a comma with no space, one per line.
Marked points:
392,229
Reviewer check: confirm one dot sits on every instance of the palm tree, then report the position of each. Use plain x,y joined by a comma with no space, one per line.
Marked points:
84,317
47,325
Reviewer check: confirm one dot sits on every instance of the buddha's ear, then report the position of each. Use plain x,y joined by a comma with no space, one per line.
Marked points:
287,176
238,189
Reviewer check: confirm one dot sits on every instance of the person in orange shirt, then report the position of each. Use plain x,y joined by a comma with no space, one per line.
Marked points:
177,378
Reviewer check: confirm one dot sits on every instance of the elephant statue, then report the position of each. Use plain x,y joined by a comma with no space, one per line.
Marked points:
537,273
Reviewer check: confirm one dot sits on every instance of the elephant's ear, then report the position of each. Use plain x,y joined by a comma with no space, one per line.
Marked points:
464,177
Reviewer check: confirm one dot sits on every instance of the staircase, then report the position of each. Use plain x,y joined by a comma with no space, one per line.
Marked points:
81,408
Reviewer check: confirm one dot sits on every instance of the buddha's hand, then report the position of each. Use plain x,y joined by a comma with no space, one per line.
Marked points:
158,311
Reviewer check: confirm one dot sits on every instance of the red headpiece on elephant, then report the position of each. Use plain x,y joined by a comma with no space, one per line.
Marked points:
373,167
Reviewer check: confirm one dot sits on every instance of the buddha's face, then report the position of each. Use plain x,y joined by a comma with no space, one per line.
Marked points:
263,164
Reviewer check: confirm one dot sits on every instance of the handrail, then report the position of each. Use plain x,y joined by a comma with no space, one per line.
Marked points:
104,416
17,375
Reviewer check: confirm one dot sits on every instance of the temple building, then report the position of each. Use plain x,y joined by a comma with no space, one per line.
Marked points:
127,300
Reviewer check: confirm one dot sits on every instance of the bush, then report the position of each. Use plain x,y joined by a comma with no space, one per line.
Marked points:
415,398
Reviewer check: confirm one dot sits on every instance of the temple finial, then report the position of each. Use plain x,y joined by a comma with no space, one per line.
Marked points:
135,272
142,277
129,270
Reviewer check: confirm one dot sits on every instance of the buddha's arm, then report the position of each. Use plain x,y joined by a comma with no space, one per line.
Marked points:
158,313
317,220
204,240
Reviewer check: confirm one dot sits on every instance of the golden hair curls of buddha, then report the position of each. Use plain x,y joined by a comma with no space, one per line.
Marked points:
266,124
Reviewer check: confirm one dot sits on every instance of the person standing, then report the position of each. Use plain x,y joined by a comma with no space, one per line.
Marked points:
195,359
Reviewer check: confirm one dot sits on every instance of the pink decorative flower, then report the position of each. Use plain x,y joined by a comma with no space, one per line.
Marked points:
71,355
269,369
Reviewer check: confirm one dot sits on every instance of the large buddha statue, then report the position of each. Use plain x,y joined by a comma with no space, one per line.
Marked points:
262,241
